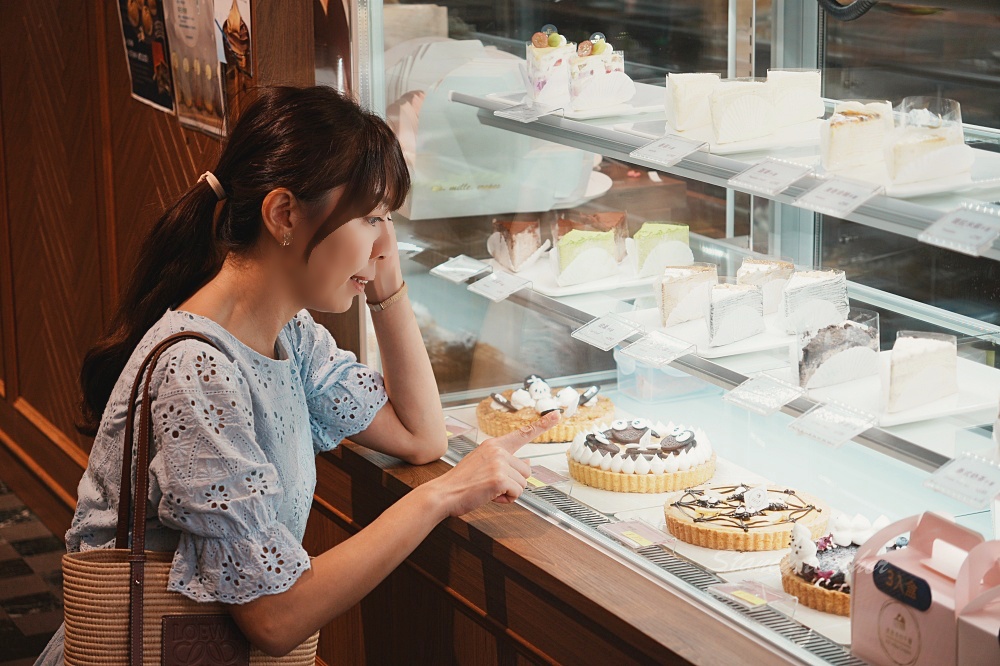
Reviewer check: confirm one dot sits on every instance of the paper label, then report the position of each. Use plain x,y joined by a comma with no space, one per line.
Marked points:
898,584
454,427
460,268
658,349
838,196
970,230
543,476
525,113
498,285
833,423
769,177
751,594
755,499
763,394
969,479
667,150
749,597
635,533
605,332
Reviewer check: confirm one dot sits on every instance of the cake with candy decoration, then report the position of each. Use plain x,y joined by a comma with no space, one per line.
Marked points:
505,412
638,456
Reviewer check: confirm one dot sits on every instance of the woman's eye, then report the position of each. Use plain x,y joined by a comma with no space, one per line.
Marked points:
374,220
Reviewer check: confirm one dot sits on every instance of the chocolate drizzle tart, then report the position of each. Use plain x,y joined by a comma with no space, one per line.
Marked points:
717,517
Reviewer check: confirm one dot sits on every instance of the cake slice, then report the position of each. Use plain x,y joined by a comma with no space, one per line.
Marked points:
583,256
770,275
547,63
516,244
795,95
814,299
915,154
685,292
854,134
922,368
687,100
741,110
657,245
838,353
736,312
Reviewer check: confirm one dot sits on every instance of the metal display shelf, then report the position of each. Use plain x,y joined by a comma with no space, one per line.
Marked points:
898,216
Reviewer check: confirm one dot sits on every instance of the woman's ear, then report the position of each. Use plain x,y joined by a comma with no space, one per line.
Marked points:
276,211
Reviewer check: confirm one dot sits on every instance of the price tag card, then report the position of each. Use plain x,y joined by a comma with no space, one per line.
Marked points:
460,268
833,423
526,113
970,230
454,427
769,177
667,150
542,476
498,285
751,594
838,196
636,534
605,332
969,478
408,249
763,394
658,349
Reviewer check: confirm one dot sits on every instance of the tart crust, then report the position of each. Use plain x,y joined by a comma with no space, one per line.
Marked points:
726,537
497,422
813,596
641,483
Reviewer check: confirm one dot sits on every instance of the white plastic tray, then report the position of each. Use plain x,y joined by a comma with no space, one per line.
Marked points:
543,279
696,333
978,389
835,627
793,136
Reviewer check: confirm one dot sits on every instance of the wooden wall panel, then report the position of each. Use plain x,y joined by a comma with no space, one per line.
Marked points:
51,189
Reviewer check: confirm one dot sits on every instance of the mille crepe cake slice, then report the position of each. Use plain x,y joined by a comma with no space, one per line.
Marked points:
813,299
770,275
685,292
516,244
736,312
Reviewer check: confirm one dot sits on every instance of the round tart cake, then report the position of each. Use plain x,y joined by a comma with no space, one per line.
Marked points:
818,572
639,457
717,517
505,412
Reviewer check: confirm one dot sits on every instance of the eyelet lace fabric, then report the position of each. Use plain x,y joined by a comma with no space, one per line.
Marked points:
232,469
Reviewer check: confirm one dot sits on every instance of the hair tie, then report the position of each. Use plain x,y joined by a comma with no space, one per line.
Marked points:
216,186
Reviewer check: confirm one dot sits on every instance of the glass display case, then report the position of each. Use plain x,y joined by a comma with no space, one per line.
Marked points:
501,183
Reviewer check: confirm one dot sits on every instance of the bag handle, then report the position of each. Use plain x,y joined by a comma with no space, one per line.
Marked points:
137,556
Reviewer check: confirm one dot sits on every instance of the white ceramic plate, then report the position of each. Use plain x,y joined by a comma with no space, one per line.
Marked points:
648,99
543,279
803,134
696,333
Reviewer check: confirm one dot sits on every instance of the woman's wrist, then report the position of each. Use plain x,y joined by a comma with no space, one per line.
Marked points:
433,498
384,286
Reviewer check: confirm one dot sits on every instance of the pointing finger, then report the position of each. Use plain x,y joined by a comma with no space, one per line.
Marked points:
513,441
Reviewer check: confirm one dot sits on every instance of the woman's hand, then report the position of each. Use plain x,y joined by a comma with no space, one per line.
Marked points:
388,273
491,472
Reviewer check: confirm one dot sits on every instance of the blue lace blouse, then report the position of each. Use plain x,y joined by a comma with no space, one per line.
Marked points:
232,465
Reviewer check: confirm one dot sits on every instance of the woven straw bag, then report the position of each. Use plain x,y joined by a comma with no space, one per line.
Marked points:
117,608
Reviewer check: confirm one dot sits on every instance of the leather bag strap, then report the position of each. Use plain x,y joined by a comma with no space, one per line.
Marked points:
137,556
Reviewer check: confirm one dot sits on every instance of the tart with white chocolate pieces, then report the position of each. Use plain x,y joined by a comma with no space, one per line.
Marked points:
640,457
719,517
505,412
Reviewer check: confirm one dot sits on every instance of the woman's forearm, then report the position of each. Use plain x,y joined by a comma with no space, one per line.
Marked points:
342,576
409,378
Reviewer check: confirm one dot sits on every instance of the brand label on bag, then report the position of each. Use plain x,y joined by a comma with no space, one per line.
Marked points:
905,587
203,640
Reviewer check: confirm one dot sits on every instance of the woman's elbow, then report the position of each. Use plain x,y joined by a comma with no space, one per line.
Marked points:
268,634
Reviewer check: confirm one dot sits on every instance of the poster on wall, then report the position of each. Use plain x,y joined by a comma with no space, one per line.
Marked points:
194,62
232,20
146,48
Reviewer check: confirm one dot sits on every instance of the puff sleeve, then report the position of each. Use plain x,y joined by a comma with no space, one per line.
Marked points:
210,481
343,395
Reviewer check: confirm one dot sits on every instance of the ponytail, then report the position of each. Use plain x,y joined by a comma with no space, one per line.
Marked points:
178,256
308,140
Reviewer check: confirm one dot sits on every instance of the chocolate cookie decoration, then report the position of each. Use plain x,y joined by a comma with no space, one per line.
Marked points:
589,395
503,402
677,442
599,443
531,379
628,432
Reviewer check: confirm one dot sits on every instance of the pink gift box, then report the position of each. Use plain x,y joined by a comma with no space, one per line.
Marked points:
977,596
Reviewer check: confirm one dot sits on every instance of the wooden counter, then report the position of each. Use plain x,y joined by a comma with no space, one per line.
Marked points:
502,585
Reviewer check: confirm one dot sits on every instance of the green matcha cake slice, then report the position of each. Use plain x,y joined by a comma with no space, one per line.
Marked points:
657,245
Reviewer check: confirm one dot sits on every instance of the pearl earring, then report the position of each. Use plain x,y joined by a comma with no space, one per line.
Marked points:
286,240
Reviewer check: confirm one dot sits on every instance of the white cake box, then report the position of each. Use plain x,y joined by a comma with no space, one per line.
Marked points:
903,601
977,595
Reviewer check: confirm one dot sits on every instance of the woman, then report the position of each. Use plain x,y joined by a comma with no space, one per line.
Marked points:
295,215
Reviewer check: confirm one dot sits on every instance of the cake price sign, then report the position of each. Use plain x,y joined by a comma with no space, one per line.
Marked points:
838,196
498,285
460,268
970,229
769,177
605,332
667,150
969,479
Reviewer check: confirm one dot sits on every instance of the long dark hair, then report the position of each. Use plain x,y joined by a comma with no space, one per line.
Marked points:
308,140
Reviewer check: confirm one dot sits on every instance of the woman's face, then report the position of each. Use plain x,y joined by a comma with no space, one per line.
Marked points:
343,262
